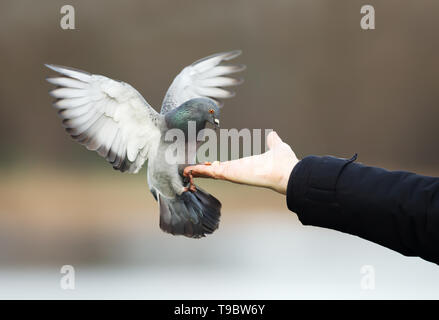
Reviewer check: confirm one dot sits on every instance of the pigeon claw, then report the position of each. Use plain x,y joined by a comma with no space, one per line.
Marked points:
192,187
207,163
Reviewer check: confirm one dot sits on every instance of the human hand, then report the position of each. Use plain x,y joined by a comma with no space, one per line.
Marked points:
271,169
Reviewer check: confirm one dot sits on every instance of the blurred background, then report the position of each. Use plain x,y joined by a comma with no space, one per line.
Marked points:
324,84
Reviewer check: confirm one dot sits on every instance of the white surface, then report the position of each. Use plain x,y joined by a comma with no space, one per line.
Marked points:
268,261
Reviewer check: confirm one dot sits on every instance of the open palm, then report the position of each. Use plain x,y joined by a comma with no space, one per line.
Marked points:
270,170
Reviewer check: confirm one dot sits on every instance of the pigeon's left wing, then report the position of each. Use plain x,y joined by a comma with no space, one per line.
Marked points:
203,78
106,116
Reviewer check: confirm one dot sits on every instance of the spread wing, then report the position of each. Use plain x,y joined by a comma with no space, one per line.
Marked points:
203,78
106,116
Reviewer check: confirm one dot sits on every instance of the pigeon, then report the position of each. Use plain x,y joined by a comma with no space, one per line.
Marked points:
112,118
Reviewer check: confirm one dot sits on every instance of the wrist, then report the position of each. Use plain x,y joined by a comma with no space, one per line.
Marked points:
282,183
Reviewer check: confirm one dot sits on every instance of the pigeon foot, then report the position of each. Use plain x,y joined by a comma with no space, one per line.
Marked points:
192,187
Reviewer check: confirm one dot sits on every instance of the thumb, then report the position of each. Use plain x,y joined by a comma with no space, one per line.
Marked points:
273,140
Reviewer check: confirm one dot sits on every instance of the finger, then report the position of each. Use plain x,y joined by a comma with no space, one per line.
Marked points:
201,170
273,140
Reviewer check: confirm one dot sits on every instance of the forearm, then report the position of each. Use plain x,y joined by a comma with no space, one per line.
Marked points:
399,210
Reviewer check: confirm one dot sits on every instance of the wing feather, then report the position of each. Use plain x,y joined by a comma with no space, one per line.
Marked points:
106,116
71,103
67,82
204,78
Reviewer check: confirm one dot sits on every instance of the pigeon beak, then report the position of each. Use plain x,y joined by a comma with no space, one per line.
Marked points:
217,122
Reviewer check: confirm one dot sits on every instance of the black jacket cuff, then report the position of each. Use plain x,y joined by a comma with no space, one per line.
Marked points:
313,183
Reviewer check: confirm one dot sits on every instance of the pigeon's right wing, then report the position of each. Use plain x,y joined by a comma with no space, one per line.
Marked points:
106,116
203,78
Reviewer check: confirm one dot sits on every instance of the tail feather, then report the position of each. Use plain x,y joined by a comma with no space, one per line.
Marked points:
192,214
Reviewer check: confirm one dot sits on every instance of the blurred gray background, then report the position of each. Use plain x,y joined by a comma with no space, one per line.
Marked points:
313,75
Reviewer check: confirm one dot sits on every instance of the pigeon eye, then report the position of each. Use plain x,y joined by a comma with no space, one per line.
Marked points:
211,111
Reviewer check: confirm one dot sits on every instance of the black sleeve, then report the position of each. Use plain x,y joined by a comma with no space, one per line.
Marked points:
396,209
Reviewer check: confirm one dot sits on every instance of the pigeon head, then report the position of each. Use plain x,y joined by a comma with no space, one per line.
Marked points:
200,110
208,109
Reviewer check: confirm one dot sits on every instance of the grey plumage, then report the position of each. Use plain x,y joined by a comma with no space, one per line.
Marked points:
113,119
203,78
191,214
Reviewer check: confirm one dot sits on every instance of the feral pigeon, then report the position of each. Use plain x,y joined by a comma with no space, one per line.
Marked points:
113,119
